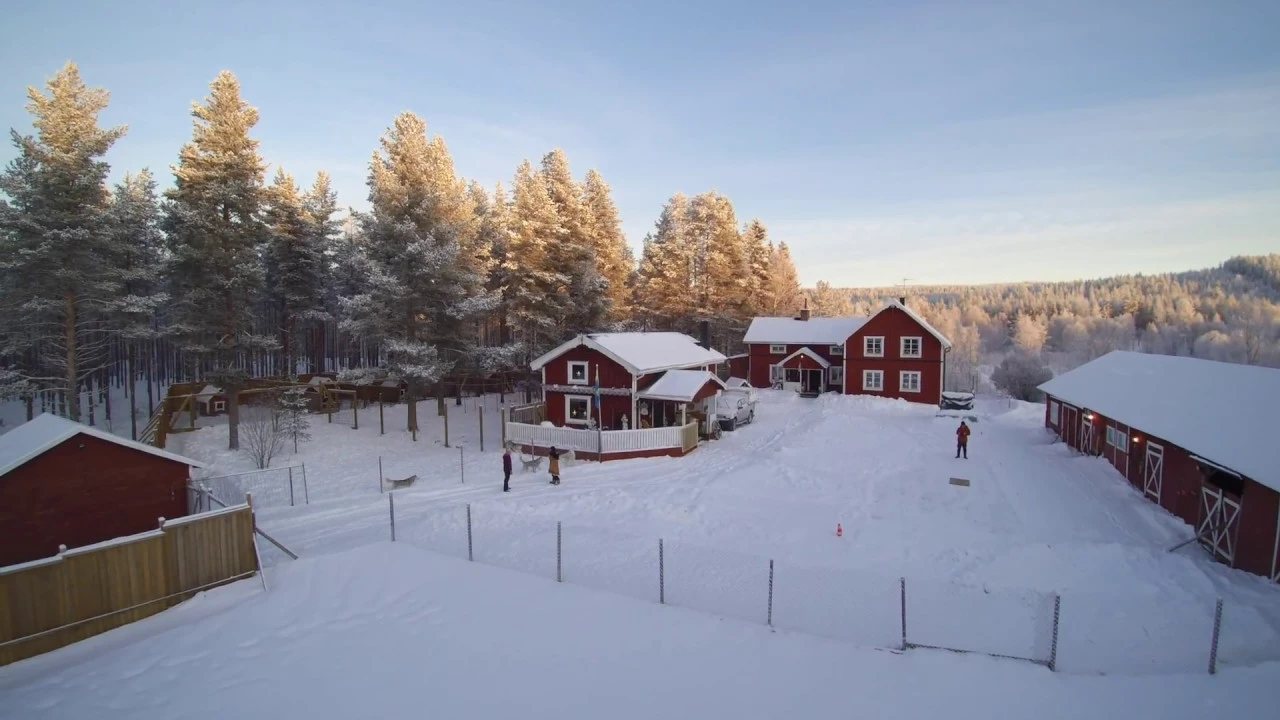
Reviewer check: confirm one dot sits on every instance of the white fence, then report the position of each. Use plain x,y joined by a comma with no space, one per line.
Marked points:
613,441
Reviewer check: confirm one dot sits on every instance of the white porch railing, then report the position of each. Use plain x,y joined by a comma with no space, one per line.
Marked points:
546,436
613,441
642,439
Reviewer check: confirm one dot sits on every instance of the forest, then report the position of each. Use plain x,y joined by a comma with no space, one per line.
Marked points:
219,274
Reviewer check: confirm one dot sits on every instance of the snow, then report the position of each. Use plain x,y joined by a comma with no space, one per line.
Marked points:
814,331
115,542
389,630
641,352
807,353
737,382
1223,412
679,385
44,432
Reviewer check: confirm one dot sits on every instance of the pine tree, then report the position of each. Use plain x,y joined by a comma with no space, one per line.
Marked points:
826,301
320,205
665,277
295,263
212,217
419,291
759,252
784,283
295,413
615,261
573,252
721,267
536,290
501,353
54,238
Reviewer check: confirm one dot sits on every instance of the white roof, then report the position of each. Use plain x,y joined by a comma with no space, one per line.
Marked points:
1220,411
814,331
736,382
680,385
809,354
640,352
206,394
31,439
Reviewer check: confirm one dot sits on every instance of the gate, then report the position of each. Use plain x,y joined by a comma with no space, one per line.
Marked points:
1153,471
1218,515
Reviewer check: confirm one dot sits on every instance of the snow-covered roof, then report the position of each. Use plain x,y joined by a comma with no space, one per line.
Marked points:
640,352
32,439
679,385
814,331
206,394
736,382
1222,412
809,354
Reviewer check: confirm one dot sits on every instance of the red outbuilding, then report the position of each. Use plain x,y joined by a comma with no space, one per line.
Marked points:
894,353
1196,437
63,483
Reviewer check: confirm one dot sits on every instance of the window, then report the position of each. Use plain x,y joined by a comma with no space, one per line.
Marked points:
1117,439
793,375
775,373
577,409
577,372
909,381
873,346
910,347
777,349
835,350
219,405
835,376
873,380
1054,409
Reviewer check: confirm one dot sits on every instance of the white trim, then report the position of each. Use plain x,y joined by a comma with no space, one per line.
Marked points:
868,374
1154,451
777,348
902,347
568,405
831,375
1055,412
55,430
219,406
866,340
902,381
809,354
1117,438
586,372
835,350
775,373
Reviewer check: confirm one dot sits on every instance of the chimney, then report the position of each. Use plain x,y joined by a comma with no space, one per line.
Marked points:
704,334
804,311
902,300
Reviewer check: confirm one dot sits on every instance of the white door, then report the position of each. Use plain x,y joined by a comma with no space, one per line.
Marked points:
1153,471
1218,515
1086,435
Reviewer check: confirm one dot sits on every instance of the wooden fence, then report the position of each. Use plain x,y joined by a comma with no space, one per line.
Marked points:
79,593
616,442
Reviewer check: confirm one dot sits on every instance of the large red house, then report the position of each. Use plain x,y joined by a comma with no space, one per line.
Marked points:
894,353
63,483
625,366
1196,437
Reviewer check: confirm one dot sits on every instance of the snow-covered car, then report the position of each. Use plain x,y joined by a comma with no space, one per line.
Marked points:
734,409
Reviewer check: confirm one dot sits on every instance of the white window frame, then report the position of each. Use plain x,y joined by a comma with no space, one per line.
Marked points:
1055,412
569,400
902,381
866,346
1117,439
902,346
777,349
835,375
775,373
219,405
799,377
586,372
867,375
836,350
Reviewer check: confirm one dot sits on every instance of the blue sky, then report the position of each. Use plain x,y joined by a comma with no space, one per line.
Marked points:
954,141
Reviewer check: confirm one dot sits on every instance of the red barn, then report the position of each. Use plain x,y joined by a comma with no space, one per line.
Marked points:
624,364
1196,437
894,353
62,483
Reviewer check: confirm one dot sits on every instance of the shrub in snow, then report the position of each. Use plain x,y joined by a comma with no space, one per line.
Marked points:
1019,374
294,411
262,432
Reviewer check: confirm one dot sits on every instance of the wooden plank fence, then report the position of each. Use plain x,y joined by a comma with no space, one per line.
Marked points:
47,604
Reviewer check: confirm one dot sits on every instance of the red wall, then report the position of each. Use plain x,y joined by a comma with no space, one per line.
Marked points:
759,360
893,324
1255,543
84,491
612,375
740,366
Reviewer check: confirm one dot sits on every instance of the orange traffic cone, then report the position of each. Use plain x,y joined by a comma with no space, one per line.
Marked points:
839,530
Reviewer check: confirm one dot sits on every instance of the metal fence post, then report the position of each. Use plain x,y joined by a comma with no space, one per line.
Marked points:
662,586
470,556
391,500
902,591
1217,627
462,466
559,555
306,495
480,415
770,620
1053,645
380,474
290,486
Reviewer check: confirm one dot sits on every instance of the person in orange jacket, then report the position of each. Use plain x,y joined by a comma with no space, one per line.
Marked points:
962,440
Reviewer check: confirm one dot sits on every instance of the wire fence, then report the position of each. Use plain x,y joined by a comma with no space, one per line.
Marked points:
1078,632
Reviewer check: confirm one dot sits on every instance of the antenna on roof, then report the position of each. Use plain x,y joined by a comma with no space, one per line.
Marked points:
903,297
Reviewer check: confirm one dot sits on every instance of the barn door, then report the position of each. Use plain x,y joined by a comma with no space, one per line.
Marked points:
1068,425
1218,515
1086,435
1153,471
1275,557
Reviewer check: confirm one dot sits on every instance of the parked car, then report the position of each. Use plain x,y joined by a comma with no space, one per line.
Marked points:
734,409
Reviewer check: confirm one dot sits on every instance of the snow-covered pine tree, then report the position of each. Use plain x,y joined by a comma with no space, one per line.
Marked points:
784,283
759,252
826,301
419,292
212,218
295,412
320,204
137,257
720,275
55,235
616,262
501,352
536,290
573,252
295,259
665,278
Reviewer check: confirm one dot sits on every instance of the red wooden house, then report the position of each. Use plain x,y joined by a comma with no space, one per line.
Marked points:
63,483
1196,437
894,353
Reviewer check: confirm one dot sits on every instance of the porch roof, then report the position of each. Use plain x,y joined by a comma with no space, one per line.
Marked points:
806,352
679,385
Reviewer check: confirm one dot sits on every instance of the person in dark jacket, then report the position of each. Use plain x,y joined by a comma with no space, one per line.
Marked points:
506,469
554,465
962,440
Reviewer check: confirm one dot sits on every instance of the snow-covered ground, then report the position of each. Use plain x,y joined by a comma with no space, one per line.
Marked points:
389,631
981,562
